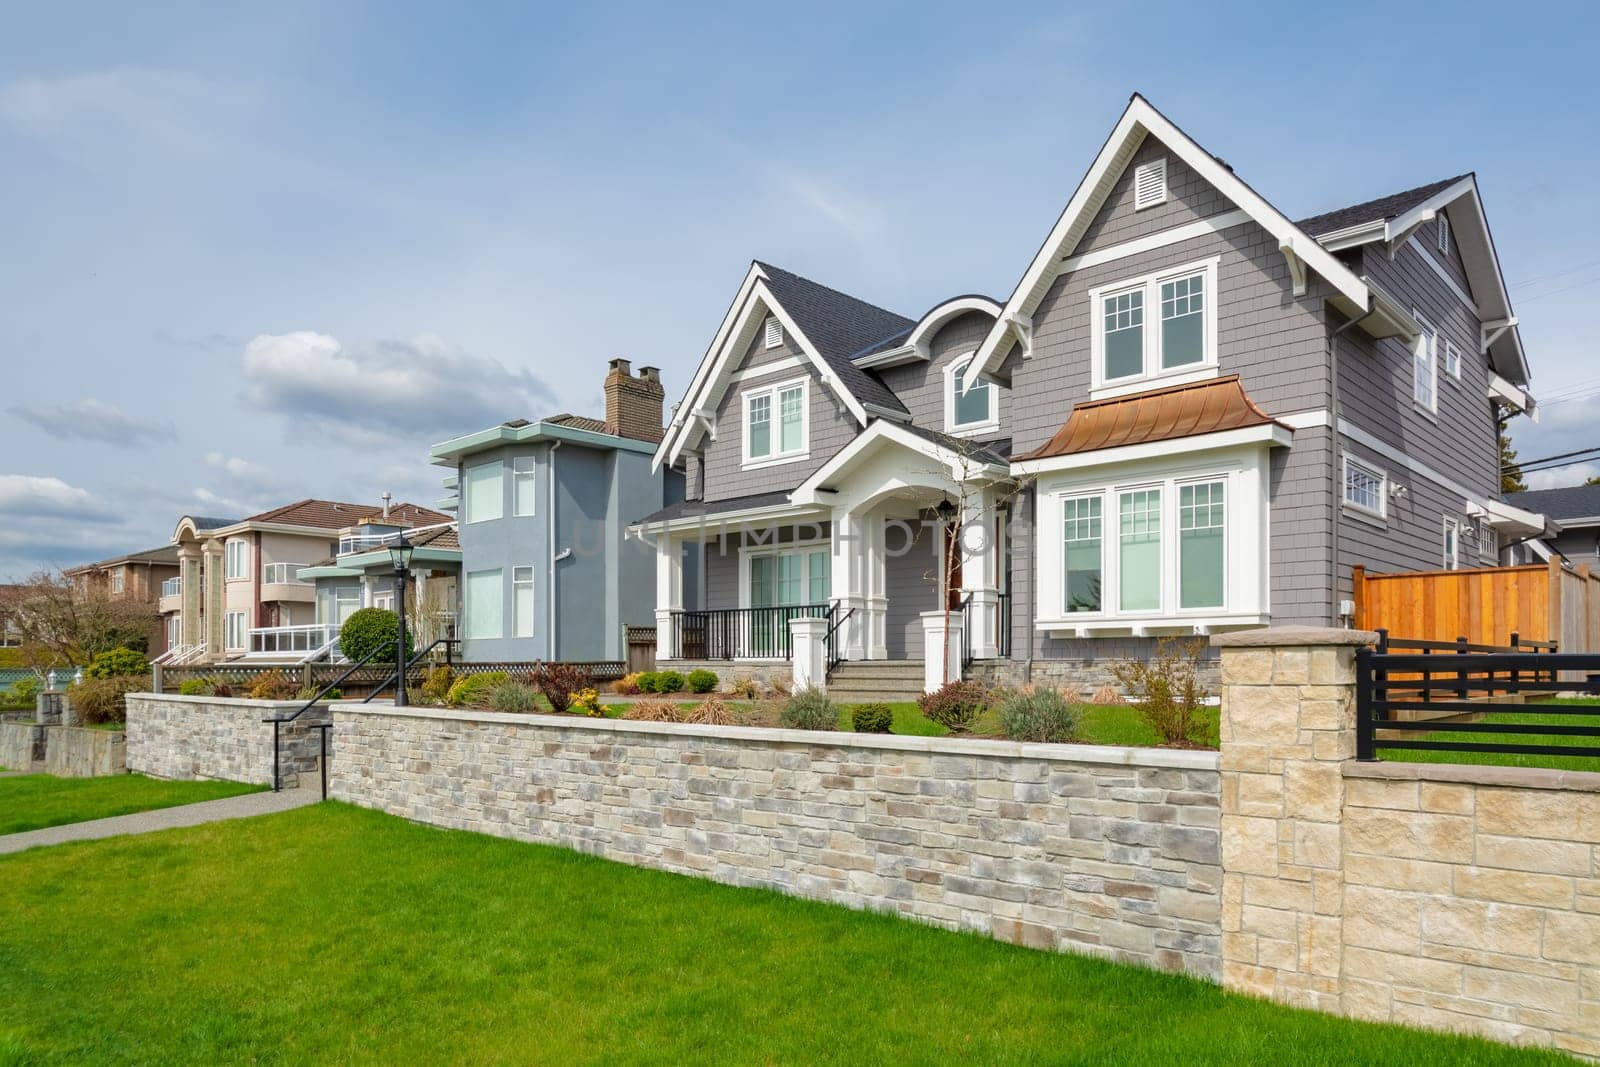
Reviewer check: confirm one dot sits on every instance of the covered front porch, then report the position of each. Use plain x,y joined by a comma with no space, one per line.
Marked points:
894,544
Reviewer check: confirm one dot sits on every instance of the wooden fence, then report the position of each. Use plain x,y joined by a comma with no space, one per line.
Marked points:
1485,605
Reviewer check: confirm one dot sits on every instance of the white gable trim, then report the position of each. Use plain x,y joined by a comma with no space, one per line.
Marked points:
713,376
961,468
922,333
1139,120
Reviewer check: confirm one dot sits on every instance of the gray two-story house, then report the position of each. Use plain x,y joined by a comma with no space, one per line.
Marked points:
542,509
1192,414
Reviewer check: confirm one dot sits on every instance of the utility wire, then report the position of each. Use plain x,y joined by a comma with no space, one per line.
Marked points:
1525,464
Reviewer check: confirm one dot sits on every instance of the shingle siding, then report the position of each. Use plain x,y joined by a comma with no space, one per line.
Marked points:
920,386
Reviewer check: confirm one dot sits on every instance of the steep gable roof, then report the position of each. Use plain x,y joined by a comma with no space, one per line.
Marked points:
840,326
1382,209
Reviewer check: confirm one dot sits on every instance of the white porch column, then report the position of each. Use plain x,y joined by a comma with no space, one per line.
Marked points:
810,661
980,555
849,580
669,592
941,649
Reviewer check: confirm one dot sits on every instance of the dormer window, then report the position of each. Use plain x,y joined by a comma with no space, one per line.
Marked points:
975,411
1444,234
775,424
774,332
1150,184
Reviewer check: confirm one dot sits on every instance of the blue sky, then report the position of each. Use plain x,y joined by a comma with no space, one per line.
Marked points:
275,252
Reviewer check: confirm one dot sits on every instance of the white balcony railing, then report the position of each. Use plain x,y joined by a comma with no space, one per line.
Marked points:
172,587
287,640
350,544
282,574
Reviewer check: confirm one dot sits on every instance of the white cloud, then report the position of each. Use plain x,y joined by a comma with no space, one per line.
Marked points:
390,392
34,496
95,420
1562,477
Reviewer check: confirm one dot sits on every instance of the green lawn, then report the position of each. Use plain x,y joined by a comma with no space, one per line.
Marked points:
333,934
1512,759
34,801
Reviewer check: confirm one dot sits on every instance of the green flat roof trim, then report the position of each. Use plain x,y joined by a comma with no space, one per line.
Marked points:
496,436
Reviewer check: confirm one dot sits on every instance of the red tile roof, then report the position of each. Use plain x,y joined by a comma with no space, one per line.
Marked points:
334,514
1159,415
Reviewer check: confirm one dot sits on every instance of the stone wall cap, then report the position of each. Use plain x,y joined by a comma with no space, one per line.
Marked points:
1294,637
1475,774
1129,756
226,702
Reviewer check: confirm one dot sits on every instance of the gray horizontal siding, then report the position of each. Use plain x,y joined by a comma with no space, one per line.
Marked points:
920,386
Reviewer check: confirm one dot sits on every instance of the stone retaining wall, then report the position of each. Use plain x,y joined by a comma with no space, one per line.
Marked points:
1109,851
172,736
64,751
21,743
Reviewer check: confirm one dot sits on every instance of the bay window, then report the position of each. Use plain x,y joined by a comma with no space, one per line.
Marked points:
1129,347
1202,556
1081,558
1139,548
775,423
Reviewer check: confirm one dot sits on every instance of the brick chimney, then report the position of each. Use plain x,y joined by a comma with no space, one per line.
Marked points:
633,405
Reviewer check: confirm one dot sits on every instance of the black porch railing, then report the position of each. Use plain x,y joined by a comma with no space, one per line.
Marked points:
1444,697
832,646
740,633
1002,629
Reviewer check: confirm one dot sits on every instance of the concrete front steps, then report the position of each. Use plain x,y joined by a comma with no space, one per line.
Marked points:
871,680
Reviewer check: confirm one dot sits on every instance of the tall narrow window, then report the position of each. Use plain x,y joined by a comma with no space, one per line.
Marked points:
116,580
791,414
1124,334
484,492
1201,548
759,431
485,604
775,422
233,635
818,568
1452,544
789,579
1183,311
1425,369
235,553
1082,530
1452,360
1139,559
522,485
522,600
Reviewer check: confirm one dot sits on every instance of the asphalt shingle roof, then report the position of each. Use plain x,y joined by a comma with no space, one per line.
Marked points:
691,508
840,326
1573,502
1381,209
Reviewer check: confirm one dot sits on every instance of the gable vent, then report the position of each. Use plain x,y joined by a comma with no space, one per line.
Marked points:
1444,234
1150,184
774,332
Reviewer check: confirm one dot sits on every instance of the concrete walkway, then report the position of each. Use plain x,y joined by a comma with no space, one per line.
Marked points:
145,822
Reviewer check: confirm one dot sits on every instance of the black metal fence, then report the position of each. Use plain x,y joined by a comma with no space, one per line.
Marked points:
1406,699
740,633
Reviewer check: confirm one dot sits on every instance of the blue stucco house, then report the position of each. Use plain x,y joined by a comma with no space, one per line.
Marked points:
543,508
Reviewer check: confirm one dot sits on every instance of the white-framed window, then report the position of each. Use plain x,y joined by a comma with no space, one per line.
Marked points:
1174,541
773,332
788,576
776,423
1486,540
1150,184
1452,544
234,635
1366,488
281,573
1161,326
174,631
485,605
973,412
483,491
117,579
522,601
522,485
1452,360
1444,233
1425,367
235,559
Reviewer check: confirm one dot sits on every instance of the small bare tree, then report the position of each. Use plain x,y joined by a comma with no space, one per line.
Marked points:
59,625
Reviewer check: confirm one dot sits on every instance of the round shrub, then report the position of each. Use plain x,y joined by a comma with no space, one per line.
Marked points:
953,705
809,709
647,681
197,687
1040,715
702,681
116,663
369,631
871,718
514,697
671,682
473,690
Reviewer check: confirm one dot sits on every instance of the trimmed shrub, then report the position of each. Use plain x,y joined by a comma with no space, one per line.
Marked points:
953,705
473,690
273,685
646,681
1166,689
628,684
702,681
809,709
559,682
1038,715
22,695
871,718
369,631
116,663
514,697
711,712
670,682
654,711
436,684
197,687
102,700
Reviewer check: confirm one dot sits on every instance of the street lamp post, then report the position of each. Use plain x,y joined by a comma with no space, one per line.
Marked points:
400,551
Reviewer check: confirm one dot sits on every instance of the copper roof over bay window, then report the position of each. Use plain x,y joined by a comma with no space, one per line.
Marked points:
1159,415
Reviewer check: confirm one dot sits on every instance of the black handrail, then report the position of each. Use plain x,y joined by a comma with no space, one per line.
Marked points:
830,641
415,660
966,634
